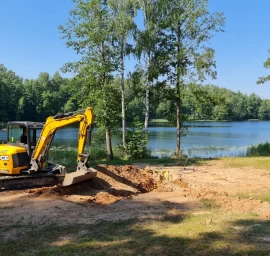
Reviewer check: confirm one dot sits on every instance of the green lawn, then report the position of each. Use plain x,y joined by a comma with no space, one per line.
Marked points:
211,233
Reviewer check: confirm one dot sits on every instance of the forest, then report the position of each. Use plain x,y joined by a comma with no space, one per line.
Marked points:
36,99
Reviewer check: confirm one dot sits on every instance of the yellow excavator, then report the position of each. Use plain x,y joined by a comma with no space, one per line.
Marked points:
24,158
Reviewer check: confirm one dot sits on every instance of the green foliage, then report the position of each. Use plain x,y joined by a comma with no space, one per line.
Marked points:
264,110
147,40
10,91
165,110
43,97
63,155
211,102
70,106
134,95
99,153
89,32
122,25
264,79
253,105
68,155
262,149
106,105
137,139
36,99
98,137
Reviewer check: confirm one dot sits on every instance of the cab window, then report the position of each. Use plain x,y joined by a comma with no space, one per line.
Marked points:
34,136
14,134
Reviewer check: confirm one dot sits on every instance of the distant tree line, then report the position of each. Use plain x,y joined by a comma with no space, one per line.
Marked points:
32,99
36,99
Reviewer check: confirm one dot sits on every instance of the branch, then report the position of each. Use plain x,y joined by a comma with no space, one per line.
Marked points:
263,79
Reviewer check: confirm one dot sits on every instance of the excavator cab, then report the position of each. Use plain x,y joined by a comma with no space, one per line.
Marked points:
21,141
24,134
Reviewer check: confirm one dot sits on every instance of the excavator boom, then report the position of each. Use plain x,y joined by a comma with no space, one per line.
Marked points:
52,124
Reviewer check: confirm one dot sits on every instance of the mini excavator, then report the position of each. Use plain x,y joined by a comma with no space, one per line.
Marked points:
24,158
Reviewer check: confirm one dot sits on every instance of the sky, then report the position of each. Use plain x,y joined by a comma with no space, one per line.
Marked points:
30,41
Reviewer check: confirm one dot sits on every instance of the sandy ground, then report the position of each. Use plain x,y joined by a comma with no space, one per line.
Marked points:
138,192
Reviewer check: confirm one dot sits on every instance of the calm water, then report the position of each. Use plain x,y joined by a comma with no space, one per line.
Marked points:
211,139
205,139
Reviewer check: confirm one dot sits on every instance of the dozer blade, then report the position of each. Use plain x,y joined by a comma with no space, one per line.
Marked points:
27,181
79,176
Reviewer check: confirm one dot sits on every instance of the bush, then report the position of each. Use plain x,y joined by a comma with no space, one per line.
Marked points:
262,149
63,155
137,140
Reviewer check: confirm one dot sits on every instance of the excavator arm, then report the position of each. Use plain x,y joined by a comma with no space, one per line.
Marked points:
52,124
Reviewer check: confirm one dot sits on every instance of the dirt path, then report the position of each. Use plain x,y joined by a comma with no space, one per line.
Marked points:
128,192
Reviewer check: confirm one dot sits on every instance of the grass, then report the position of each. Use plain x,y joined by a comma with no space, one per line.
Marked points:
169,161
265,197
173,234
262,149
68,156
158,121
208,204
253,162
166,161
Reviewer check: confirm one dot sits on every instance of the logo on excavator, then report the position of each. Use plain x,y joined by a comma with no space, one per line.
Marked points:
5,158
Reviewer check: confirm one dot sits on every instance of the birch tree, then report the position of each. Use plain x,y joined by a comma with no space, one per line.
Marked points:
89,33
187,29
122,24
146,45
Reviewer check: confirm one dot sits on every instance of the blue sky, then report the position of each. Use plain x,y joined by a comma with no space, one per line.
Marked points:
30,41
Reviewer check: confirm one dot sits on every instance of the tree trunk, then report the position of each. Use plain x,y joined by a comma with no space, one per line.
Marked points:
109,144
147,102
123,99
108,134
178,122
146,120
178,97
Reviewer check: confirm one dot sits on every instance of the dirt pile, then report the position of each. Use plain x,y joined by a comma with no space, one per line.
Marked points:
114,183
129,177
111,184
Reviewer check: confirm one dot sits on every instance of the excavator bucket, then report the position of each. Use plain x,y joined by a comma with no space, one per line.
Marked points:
79,176
82,173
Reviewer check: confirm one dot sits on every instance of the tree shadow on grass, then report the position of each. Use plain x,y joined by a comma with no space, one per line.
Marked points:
168,234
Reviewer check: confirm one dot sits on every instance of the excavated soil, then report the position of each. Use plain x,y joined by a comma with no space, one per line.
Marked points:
111,184
124,192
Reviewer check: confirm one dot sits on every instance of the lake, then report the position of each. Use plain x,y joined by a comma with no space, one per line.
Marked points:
211,139
204,139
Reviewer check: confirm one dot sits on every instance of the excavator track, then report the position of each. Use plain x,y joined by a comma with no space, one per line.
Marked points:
28,181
